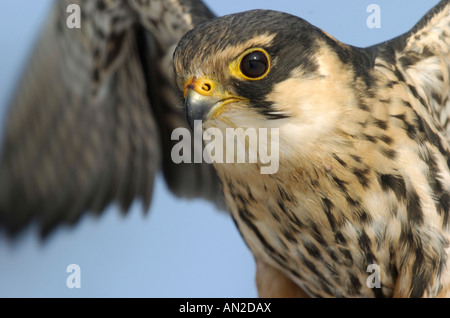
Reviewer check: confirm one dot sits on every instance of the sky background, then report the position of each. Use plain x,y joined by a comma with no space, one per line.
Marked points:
181,248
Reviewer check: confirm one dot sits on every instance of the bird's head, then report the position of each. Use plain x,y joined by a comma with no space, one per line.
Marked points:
267,69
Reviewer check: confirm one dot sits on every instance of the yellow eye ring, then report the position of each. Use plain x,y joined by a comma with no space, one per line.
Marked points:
252,65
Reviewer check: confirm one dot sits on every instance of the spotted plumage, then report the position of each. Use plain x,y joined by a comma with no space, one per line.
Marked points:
363,174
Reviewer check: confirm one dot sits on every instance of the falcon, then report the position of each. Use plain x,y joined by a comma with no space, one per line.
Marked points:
363,176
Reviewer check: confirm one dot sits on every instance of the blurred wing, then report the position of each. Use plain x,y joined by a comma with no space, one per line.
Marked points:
164,23
90,120
423,54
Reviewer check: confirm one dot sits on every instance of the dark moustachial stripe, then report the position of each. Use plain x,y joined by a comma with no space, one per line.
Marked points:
266,108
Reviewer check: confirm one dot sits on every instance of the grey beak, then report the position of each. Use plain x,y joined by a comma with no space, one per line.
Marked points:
197,106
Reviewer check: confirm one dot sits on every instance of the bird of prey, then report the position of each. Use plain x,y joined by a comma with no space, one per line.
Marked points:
363,174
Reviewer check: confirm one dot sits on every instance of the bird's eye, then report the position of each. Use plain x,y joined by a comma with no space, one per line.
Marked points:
253,64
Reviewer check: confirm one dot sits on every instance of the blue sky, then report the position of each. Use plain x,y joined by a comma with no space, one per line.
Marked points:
181,248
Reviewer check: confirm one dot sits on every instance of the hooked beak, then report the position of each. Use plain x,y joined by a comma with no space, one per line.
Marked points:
198,106
205,99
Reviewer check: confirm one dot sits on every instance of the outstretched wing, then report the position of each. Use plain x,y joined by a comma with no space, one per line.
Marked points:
90,122
423,54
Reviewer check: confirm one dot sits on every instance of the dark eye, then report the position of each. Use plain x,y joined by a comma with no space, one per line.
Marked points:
254,65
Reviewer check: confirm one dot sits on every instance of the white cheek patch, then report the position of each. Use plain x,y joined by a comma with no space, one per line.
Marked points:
314,110
317,105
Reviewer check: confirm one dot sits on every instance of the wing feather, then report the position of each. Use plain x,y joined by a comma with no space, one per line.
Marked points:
423,54
92,116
